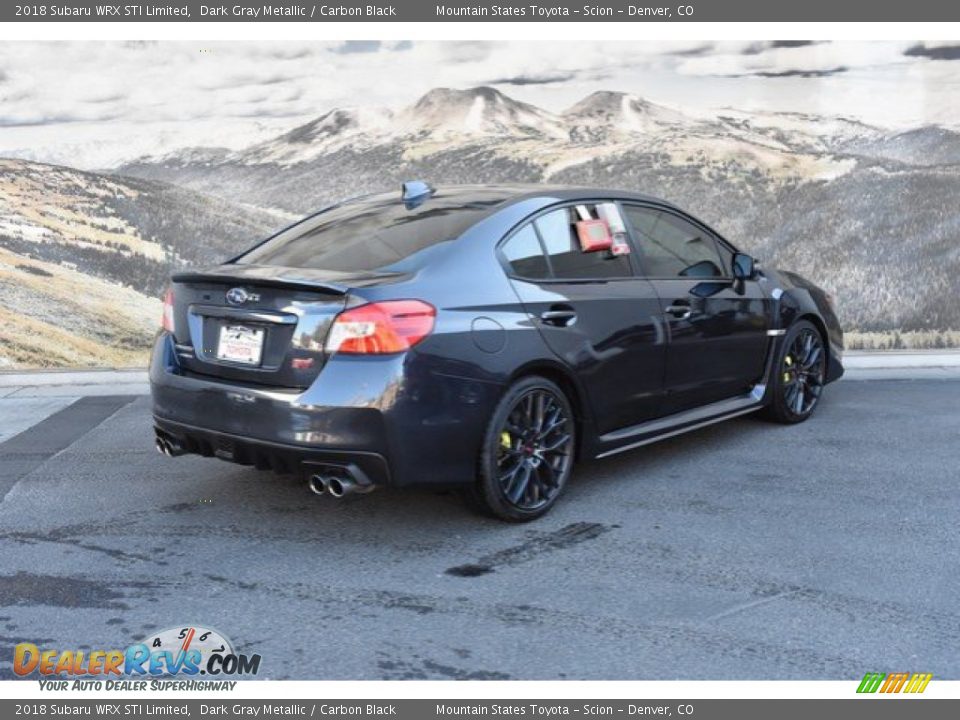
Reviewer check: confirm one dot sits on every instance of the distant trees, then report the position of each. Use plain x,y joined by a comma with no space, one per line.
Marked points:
907,340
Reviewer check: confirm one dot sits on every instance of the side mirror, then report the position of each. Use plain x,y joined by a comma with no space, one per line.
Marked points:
743,267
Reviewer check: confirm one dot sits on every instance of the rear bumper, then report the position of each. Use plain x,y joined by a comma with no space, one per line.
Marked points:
365,467
270,428
398,419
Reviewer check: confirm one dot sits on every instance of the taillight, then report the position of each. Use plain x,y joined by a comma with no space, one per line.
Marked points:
167,321
382,327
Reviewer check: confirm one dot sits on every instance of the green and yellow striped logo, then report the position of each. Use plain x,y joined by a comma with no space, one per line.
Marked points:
894,682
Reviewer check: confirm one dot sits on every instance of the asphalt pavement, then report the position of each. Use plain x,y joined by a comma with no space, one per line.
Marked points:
744,550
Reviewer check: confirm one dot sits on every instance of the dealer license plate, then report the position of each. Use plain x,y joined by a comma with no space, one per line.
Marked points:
240,344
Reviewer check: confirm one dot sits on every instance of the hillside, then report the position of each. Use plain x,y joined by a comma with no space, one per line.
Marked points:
84,259
869,213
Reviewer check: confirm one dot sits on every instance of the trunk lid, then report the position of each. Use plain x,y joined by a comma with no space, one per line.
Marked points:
258,324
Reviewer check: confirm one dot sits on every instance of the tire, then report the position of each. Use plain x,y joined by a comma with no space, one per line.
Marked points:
527,454
798,375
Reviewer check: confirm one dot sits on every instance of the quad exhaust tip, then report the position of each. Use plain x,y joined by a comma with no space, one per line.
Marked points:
337,485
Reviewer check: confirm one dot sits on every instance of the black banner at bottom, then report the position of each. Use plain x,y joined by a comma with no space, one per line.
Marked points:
872,707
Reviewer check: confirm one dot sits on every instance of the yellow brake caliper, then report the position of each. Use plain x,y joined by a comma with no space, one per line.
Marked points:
505,441
788,361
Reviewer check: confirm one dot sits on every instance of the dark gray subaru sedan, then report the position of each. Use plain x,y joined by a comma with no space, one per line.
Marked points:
481,336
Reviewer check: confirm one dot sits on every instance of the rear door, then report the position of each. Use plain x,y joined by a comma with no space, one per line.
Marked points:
594,312
717,328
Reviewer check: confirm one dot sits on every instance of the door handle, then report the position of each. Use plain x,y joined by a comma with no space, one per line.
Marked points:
680,310
559,317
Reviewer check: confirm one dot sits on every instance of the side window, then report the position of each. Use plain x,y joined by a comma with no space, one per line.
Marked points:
673,247
560,240
525,255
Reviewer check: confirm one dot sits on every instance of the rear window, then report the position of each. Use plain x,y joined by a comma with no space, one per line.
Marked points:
375,234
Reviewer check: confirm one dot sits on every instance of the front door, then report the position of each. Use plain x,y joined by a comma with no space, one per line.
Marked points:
717,328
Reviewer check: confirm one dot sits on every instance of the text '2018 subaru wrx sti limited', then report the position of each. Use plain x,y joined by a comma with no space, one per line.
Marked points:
485,336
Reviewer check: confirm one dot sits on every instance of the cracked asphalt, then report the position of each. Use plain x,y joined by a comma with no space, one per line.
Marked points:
744,550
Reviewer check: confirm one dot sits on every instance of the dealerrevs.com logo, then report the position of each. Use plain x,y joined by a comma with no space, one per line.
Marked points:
182,651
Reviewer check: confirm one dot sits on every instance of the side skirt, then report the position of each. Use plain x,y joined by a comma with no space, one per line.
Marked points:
663,428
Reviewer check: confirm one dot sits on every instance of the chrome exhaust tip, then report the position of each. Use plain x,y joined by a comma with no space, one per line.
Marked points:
337,480
317,484
168,446
339,487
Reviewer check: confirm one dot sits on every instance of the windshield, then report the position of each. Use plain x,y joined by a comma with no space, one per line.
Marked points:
374,234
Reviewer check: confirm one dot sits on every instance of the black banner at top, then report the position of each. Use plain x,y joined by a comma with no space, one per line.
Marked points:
482,11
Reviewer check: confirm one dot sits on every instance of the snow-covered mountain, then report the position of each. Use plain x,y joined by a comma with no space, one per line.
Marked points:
477,112
507,132
441,115
604,122
606,116
329,132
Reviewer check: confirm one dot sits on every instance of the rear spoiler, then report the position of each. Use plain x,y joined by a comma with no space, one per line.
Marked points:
248,274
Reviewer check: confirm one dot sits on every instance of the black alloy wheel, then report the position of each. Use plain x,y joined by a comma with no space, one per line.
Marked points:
528,451
799,374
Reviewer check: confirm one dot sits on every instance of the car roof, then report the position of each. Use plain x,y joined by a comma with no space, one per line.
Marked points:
496,196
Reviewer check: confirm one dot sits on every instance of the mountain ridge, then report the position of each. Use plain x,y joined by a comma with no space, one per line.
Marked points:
84,258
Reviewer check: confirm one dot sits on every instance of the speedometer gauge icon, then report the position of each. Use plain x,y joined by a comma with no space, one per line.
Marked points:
178,641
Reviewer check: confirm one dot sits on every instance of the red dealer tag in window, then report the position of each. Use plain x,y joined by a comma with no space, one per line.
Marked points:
594,235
